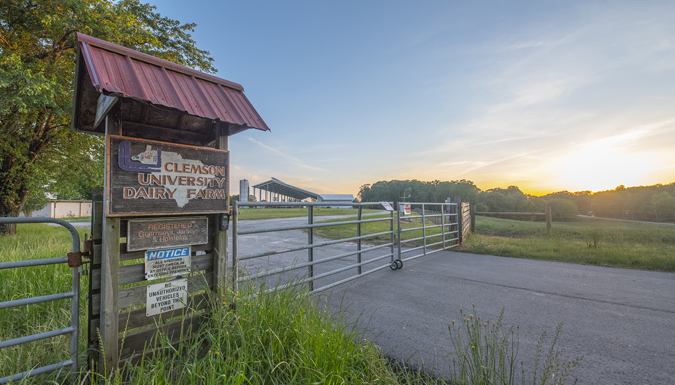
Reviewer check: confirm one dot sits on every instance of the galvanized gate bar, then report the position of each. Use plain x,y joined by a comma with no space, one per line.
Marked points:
34,300
33,262
312,226
311,244
443,215
74,295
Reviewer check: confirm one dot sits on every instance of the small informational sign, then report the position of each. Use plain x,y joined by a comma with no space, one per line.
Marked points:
387,206
146,234
406,209
166,296
147,177
167,262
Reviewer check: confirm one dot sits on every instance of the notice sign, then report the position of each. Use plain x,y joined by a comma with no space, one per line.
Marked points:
167,262
387,206
166,296
146,234
146,177
406,209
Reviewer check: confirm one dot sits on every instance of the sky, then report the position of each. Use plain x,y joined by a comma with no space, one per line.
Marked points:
543,95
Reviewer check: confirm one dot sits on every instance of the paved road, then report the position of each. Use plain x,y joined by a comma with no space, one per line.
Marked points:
621,321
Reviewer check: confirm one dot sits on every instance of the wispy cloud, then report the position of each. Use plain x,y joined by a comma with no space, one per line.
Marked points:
296,162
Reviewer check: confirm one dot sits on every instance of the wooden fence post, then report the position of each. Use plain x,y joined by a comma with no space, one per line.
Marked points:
548,220
473,218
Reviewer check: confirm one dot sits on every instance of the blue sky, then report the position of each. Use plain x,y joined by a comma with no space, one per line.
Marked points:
548,96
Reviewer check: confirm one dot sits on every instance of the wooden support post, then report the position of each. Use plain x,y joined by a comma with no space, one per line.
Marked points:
548,220
110,274
473,218
110,287
220,243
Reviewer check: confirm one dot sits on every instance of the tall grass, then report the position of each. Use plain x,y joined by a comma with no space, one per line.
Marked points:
603,243
276,337
487,353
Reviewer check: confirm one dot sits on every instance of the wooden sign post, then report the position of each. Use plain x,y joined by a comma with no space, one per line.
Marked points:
165,194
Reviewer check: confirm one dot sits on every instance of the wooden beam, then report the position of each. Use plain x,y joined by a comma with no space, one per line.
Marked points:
105,103
146,131
220,241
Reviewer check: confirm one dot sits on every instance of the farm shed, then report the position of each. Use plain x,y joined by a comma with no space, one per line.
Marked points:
333,199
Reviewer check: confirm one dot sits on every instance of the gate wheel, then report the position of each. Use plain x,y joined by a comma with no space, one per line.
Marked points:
399,264
393,265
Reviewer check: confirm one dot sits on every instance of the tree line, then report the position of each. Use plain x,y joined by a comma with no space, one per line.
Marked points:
650,203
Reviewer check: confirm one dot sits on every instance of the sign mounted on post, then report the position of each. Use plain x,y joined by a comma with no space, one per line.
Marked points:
146,177
146,234
167,262
166,296
387,206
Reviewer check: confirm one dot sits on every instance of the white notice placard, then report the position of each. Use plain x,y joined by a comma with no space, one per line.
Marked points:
166,296
387,206
167,262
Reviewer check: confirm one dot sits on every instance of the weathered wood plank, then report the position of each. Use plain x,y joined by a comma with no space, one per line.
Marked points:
109,296
137,295
136,342
136,318
136,273
128,256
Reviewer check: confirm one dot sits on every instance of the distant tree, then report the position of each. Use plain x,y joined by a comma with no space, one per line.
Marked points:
37,63
663,202
563,209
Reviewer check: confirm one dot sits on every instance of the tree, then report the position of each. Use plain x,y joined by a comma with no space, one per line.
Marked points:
37,63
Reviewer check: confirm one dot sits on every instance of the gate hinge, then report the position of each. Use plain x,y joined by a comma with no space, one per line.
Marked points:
87,248
75,259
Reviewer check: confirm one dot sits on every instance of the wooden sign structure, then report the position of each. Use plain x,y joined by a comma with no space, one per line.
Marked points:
165,193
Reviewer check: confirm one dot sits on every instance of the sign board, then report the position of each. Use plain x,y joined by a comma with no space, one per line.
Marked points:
146,177
387,206
168,262
166,296
406,209
146,234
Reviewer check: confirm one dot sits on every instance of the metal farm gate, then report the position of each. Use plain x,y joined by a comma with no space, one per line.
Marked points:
74,260
282,258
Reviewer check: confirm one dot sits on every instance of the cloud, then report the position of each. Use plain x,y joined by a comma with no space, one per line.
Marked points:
296,162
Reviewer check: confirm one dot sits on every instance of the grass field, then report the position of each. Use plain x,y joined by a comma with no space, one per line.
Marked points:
267,213
603,243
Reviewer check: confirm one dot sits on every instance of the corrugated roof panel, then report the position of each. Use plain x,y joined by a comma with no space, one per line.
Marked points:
127,73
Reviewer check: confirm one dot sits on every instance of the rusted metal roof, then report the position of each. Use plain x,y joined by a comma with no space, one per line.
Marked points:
123,72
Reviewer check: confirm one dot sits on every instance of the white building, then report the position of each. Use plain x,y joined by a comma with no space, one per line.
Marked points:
334,199
63,209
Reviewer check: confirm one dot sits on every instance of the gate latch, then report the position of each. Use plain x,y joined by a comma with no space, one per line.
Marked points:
75,259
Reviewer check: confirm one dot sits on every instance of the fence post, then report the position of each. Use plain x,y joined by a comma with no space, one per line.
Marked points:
460,225
473,218
548,220
358,243
398,226
424,230
310,242
235,246
443,224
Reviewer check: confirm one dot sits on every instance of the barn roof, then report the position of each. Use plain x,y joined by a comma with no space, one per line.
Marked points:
276,186
112,70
